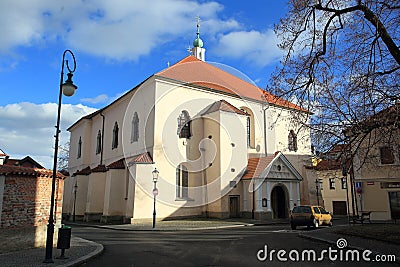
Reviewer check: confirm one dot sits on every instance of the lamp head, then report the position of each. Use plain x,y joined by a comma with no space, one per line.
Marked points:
155,175
69,87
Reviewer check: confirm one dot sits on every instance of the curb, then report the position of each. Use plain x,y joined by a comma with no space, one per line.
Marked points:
166,229
329,241
99,249
183,228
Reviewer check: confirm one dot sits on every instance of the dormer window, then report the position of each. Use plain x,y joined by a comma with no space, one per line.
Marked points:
184,125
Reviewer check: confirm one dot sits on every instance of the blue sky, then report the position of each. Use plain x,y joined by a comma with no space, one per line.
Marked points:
117,44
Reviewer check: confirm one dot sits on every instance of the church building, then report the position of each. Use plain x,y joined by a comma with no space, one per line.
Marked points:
218,145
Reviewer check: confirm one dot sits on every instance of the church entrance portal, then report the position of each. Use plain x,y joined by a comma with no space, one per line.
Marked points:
279,202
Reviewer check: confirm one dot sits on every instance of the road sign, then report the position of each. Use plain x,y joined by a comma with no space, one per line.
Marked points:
358,184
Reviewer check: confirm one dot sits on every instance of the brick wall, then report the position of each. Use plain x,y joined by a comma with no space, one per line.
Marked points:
26,201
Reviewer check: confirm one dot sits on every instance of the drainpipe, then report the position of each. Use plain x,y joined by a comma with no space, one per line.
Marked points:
253,204
265,127
102,139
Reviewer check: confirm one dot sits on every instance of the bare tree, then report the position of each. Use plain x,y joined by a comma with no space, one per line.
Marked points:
63,157
342,62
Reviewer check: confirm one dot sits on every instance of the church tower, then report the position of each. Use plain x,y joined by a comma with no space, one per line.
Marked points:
198,51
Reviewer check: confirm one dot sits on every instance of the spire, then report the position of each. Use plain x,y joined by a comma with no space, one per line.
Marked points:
198,50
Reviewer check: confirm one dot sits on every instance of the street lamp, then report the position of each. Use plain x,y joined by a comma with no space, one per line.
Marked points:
317,189
68,89
155,193
75,191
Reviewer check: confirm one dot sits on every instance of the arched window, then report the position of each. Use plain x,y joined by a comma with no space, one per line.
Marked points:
292,141
98,146
248,123
79,147
115,136
184,125
182,182
135,128
250,137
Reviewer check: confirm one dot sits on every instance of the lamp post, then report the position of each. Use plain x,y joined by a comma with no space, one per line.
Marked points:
317,189
75,190
68,89
155,193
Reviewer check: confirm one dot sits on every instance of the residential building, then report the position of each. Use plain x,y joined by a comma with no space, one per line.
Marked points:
331,183
375,143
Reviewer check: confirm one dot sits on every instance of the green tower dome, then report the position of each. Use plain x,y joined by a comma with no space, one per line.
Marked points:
198,42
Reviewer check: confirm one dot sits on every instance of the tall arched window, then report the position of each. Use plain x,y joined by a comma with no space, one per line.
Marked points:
184,125
248,124
115,136
79,147
98,144
182,182
250,131
135,128
292,141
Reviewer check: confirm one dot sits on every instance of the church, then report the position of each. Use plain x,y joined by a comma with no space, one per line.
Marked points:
194,139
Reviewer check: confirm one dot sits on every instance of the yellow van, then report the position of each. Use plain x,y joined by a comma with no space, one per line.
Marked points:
310,216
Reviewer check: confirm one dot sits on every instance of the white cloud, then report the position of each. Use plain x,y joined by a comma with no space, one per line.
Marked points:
27,129
254,46
119,29
103,98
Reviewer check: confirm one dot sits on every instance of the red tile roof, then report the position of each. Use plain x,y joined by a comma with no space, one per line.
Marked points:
325,165
119,164
144,158
85,171
100,168
225,106
196,72
255,166
25,162
26,171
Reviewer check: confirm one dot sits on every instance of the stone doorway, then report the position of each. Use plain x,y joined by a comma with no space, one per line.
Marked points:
279,202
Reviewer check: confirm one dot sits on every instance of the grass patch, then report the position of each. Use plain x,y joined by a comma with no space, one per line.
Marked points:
382,232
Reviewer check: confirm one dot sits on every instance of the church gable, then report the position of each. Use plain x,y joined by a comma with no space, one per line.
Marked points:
272,168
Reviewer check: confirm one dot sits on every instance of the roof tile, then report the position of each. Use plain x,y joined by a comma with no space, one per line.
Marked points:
119,164
255,166
144,158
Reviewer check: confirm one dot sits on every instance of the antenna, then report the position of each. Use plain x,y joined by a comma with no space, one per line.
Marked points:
168,63
189,49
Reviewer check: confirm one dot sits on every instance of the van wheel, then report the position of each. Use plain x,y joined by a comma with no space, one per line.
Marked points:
315,223
293,226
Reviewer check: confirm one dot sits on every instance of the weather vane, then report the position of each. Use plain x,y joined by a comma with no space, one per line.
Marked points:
198,25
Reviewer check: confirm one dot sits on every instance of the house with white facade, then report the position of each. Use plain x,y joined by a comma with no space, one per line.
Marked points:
223,148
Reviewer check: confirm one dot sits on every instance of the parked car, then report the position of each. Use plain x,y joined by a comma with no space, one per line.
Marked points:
310,216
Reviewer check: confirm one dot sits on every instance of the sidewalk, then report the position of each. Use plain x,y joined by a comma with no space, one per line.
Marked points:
328,235
81,250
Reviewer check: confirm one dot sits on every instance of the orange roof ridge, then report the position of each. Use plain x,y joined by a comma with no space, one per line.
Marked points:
194,71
